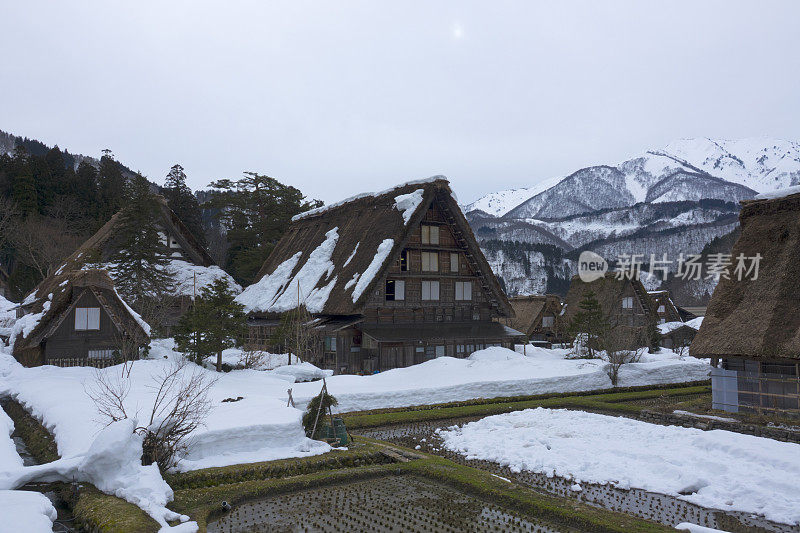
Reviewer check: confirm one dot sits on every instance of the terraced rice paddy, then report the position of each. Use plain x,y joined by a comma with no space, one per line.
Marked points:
394,503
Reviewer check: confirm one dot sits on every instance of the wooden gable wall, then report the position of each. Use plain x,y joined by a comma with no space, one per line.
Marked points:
413,309
65,342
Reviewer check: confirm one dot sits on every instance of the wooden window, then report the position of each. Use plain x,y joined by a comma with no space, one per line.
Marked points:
404,261
395,290
453,262
330,344
101,354
430,290
661,309
548,321
460,350
87,318
430,261
440,350
627,302
463,290
430,234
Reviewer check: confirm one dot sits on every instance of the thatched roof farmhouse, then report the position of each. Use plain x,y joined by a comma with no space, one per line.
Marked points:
393,278
83,321
751,329
190,263
666,310
538,316
625,302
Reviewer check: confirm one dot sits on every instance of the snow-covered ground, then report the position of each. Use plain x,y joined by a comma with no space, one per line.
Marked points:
27,511
716,469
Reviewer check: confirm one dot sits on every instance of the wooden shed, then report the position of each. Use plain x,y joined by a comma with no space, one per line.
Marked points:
392,279
751,329
82,322
538,317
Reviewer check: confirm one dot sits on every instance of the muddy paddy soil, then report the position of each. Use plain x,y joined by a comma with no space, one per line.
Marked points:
661,508
389,504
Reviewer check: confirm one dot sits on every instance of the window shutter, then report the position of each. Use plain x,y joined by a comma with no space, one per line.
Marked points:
434,290
93,318
434,234
399,290
459,291
468,290
426,290
453,262
80,318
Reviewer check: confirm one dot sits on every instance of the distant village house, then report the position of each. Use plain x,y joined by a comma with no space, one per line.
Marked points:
538,317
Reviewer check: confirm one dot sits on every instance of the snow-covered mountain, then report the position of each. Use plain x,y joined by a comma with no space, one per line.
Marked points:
673,200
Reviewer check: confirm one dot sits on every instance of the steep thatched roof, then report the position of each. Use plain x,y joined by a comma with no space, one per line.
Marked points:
664,298
759,318
609,292
527,310
104,243
45,314
3,277
339,253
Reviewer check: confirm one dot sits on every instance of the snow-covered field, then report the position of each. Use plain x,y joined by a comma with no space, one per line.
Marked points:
717,469
255,423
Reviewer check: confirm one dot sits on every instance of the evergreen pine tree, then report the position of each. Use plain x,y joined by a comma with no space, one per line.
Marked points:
589,321
111,186
214,323
183,202
23,186
141,270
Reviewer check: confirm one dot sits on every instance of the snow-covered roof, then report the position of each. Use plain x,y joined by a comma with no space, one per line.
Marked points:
330,259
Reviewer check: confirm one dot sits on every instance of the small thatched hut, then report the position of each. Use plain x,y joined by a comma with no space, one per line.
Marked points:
83,321
392,279
751,329
538,316
624,302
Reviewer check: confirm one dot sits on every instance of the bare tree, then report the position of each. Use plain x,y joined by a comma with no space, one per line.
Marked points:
253,359
298,335
180,405
622,345
42,244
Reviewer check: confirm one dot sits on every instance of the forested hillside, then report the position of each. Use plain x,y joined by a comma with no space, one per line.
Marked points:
51,201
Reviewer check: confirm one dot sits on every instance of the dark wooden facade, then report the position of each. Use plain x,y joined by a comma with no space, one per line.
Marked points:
431,298
105,333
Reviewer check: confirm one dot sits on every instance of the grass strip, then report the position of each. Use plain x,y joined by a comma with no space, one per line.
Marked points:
358,454
39,441
103,513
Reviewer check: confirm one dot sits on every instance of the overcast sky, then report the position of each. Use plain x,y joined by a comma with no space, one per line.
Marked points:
338,98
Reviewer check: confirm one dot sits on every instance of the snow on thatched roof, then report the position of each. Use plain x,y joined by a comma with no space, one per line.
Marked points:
336,254
759,318
528,308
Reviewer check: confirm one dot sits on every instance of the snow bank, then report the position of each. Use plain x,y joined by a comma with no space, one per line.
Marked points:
9,458
259,425
715,469
112,464
31,512
301,372
496,372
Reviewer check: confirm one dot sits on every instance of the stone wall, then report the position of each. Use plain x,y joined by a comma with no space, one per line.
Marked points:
679,419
